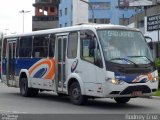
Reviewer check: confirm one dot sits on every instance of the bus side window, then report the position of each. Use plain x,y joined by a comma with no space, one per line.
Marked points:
4,48
72,45
87,45
52,45
17,48
40,46
89,48
25,46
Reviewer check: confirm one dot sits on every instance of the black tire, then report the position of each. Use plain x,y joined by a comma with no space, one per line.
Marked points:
61,94
75,94
122,100
25,91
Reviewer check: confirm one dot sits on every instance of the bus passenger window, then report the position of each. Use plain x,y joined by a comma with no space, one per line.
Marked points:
40,46
25,46
4,48
88,42
72,45
90,49
52,45
17,48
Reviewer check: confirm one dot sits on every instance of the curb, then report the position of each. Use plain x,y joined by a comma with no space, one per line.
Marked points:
151,97
155,97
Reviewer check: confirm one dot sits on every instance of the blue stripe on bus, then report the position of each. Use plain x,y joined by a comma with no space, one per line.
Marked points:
131,78
19,63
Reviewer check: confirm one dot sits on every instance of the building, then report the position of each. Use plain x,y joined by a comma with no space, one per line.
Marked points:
46,14
98,11
72,12
148,21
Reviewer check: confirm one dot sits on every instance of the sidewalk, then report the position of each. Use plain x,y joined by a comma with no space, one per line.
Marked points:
2,84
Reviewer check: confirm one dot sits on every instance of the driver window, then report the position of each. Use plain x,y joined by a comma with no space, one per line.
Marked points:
90,51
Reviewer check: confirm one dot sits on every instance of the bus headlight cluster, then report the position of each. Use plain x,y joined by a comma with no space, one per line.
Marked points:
116,81
154,79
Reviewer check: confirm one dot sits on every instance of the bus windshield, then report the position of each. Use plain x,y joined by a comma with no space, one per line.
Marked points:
124,46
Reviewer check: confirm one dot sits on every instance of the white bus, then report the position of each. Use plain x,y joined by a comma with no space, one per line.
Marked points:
83,61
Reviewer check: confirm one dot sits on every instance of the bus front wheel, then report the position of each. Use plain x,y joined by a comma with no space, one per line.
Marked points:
75,94
25,91
122,100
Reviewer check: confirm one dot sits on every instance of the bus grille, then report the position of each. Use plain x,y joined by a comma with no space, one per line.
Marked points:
130,89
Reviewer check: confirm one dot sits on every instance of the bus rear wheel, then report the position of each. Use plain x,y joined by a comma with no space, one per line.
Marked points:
75,94
122,100
25,91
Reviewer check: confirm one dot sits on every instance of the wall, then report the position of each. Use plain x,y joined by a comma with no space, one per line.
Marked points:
65,18
76,12
114,13
79,12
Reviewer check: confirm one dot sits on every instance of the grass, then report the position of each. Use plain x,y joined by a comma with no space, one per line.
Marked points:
157,93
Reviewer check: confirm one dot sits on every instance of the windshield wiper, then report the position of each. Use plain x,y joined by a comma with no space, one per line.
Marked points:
142,56
125,59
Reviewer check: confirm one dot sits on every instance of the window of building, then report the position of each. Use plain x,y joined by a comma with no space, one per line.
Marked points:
40,9
52,45
72,45
25,46
60,12
60,25
124,21
45,8
101,5
65,24
40,46
90,50
65,11
52,9
101,21
140,24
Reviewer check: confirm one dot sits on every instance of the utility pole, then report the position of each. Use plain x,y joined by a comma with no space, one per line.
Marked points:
23,12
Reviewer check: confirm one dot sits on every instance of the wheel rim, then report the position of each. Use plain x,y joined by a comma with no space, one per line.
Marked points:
76,93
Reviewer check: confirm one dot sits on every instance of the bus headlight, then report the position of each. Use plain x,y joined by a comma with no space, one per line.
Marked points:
154,79
116,81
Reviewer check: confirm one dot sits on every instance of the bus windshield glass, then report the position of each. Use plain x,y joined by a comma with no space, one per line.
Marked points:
124,46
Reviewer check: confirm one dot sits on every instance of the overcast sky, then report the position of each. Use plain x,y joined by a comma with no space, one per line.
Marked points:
11,21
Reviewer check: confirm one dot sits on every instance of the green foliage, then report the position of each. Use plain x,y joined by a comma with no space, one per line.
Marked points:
157,62
157,93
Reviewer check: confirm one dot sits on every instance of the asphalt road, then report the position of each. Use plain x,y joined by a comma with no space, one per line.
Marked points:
49,103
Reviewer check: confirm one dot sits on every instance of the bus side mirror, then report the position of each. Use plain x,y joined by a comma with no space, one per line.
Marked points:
149,42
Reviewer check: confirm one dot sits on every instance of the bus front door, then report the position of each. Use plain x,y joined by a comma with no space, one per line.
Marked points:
10,63
61,59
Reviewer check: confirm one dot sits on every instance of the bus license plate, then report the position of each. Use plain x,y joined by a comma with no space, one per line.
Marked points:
137,93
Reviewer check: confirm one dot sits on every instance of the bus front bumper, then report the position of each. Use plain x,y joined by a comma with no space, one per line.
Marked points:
129,90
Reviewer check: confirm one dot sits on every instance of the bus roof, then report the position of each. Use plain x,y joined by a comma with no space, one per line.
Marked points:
73,28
